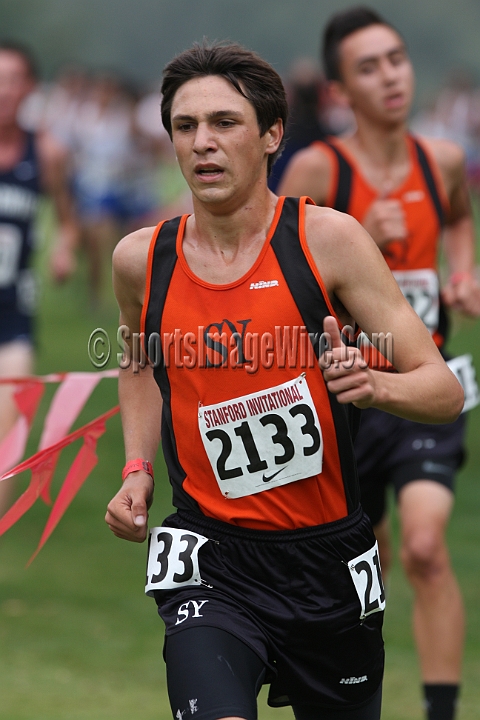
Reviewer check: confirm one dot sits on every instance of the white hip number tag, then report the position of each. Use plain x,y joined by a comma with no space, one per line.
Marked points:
367,578
421,289
172,559
262,440
463,369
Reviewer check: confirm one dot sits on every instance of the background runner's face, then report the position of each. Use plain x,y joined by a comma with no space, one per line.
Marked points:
15,84
377,75
217,141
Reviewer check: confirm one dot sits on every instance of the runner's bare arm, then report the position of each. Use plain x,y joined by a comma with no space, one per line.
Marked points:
355,273
462,291
308,173
140,400
54,159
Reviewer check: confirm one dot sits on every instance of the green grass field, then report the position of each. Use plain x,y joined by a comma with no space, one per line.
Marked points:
78,638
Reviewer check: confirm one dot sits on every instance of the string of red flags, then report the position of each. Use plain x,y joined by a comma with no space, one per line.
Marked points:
68,401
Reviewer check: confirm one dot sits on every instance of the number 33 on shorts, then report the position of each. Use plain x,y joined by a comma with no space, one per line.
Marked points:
173,559
367,578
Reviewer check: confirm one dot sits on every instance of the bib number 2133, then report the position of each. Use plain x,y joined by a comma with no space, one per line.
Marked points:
263,440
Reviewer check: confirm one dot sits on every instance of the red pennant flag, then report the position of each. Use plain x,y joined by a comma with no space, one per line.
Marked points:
80,469
42,470
67,403
42,465
27,399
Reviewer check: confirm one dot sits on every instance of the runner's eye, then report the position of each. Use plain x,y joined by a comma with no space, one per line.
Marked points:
367,68
397,57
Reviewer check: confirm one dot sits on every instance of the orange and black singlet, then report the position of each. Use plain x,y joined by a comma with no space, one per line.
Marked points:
251,436
413,261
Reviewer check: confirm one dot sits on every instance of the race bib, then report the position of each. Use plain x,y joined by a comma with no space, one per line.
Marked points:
462,368
367,578
172,559
10,248
421,289
262,440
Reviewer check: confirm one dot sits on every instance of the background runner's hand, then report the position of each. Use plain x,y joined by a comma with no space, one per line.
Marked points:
385,220
463,295
63,263
127,513
345,371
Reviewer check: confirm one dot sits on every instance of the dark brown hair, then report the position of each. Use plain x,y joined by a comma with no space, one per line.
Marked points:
339,27
249,74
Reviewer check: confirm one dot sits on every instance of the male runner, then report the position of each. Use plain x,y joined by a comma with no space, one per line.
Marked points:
28,165
403,190
286,588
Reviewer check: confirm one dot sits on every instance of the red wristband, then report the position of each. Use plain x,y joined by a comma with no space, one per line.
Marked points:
457,277
138,464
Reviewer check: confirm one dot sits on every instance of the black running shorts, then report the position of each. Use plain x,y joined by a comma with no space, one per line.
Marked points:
393,451
289,596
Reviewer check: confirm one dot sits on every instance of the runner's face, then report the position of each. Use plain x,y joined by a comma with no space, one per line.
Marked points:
217,141
377,75
15,84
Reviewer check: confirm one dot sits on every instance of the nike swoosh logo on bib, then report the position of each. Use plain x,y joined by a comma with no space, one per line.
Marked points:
267,479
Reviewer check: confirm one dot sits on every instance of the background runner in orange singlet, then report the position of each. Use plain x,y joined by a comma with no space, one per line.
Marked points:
404,190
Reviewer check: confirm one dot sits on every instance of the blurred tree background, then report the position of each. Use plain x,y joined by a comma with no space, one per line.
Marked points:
139,37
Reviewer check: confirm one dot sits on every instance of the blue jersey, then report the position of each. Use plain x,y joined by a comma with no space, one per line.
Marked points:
19,195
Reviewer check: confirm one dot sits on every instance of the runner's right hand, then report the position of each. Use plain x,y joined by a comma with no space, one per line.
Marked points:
385,221
127,513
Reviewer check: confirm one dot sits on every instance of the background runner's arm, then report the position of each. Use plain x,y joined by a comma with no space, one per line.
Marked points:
355,273
55,169
140,399
462,291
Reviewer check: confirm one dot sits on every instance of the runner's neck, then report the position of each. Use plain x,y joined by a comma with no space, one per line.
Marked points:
382,157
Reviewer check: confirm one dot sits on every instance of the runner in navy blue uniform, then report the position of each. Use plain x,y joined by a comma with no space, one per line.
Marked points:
268,571
29,165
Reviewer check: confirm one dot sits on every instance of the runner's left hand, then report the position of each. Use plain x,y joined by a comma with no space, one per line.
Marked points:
345,371
463,296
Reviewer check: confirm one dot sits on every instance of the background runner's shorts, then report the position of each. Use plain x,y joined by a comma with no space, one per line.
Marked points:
290,597
15,326
391,450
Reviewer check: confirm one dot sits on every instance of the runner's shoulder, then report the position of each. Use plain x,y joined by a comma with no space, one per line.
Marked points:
450,156
315,158
308,173
333,231
130,255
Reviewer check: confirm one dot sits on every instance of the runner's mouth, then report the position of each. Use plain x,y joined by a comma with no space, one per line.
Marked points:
208,172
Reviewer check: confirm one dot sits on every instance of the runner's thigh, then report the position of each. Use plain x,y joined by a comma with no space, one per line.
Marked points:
212,674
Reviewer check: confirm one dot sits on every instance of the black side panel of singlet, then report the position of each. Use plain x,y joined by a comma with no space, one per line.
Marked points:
311,304
164,261
443,322
344,184
431,184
